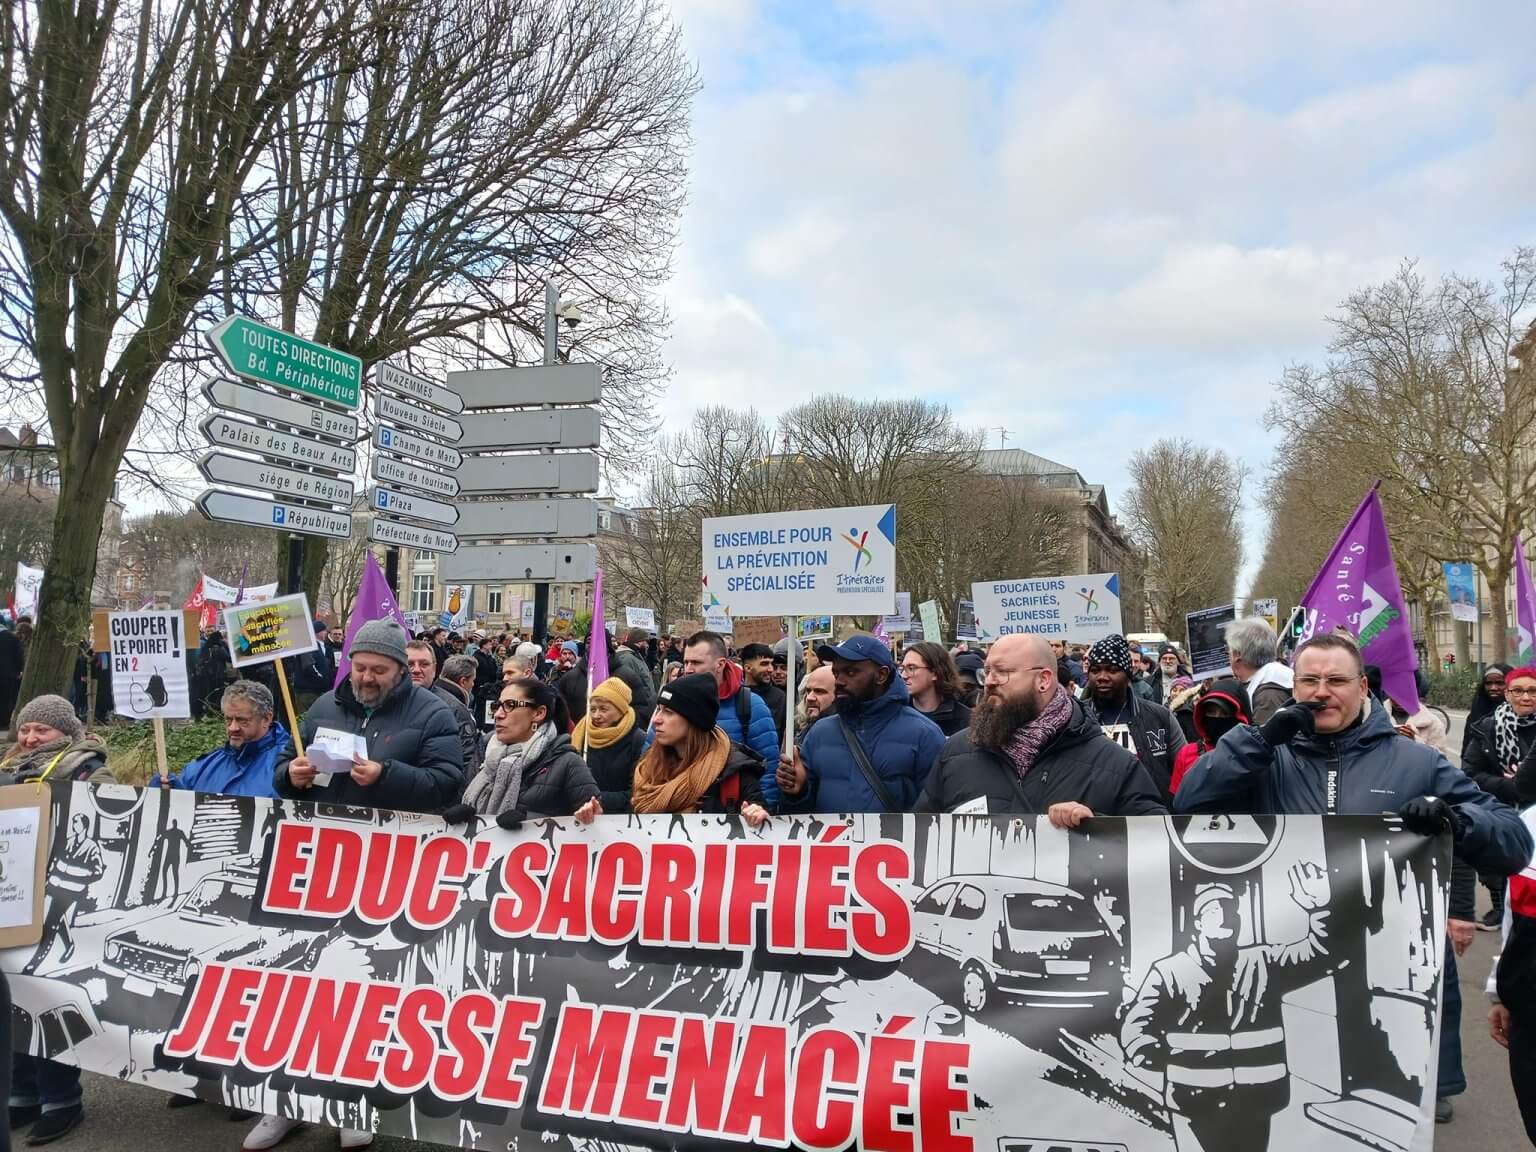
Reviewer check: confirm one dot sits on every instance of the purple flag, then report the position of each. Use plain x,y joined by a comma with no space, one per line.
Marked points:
1358,590
597,639
374,601
240,592
1525,606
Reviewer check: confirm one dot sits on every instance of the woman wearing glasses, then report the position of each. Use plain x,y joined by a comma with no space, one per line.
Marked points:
1497,743
933,682
530,767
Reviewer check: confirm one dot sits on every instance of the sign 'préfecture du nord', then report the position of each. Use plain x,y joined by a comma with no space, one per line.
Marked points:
826,560
272,356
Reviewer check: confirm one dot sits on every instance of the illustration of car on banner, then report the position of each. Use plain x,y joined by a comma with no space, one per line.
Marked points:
153,956
1007,936
51,1020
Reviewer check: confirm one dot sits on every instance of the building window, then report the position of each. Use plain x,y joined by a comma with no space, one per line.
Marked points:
493,601
604,520
423,589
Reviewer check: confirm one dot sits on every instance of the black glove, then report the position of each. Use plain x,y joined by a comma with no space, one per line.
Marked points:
1291,721
1428,816
512,819
459,814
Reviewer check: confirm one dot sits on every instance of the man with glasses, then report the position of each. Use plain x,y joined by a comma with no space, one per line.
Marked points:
1332,750
1031,749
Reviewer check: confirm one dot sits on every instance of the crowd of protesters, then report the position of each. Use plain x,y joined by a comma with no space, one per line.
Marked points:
482,727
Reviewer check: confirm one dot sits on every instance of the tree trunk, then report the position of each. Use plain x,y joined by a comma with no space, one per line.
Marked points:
315,553
1497,623
64,613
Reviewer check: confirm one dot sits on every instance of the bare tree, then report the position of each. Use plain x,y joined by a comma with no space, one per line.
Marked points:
167,552
343,573
1435,387
1184,508
731,463
133,138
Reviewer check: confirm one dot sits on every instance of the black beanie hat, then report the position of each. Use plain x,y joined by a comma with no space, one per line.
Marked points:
696,698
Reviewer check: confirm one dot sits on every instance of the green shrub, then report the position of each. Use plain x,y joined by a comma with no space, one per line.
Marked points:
1453,689
131,745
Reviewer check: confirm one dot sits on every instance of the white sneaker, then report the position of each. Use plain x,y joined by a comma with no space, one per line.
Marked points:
355,1138
268,1133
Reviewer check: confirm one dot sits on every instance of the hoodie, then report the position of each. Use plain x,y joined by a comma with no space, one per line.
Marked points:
1232,691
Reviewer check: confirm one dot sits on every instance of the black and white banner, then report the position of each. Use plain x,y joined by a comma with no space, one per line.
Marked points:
892,983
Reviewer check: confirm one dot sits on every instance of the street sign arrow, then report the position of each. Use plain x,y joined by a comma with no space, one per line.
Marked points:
417,387
223,431
416,507
414,447
235,508
511,387
502,519
250,401
551,472
401,474
417,419
534,428
222,468
258,351
410,536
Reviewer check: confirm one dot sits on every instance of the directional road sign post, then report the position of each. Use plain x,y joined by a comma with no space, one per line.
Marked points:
250,401
401,474
416,507
418,388
556,519
224,432
400,535
416,419
257,351
414,447
573,472
222,468
234,508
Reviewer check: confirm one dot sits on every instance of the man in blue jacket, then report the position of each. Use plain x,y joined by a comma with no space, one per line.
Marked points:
743,715
253,738
1334,751
874,716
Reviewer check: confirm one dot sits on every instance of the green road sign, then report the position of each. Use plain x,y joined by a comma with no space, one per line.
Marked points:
260,352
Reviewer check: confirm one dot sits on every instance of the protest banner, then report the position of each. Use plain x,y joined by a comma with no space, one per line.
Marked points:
814,627
26,813
525,617
148,653
718,621
837,560
563,623
682,981
1266,610
900,621
758,630
640,618
27,589
933,630
1206,633
1072,609
965,623
267,632
1461,591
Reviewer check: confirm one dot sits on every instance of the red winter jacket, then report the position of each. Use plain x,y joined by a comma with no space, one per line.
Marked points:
1234,694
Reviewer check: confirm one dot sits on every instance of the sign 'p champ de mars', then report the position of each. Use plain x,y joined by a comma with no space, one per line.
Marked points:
824,560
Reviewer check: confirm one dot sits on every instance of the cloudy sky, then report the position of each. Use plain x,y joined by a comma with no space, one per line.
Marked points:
1092,224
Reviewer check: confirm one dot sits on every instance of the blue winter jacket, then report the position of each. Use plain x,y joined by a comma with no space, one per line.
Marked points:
1379,770
231,772
902,745
762,737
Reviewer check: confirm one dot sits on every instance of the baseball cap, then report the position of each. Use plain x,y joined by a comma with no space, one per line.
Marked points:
858,647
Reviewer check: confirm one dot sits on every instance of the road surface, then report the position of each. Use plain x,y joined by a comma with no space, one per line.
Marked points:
131,1118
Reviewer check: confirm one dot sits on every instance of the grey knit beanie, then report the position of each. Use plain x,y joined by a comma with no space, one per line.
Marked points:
382,638
54,711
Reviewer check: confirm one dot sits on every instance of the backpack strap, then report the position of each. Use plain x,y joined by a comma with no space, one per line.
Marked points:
861,758
744,712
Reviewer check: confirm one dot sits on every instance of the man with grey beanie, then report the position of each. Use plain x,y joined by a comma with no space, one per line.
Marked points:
415,762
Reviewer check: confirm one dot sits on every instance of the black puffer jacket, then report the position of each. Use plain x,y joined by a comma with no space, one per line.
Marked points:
557,783
613,768
411,733
1480,758
1081,764
469,732
951,716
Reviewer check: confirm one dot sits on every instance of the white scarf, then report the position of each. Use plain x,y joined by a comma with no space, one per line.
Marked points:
496,786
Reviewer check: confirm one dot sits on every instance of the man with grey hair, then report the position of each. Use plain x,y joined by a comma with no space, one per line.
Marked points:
253,738
421,662
1251,649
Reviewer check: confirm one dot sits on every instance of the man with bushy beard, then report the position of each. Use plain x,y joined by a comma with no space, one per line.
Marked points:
1031,749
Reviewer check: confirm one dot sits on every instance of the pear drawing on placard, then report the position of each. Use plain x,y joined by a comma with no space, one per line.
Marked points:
455,601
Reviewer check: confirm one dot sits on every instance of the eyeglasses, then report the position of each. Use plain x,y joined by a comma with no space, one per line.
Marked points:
908,669
512,705
1335,683
991,675
1520,691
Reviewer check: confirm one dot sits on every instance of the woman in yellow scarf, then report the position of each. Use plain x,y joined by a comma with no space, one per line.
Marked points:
611,742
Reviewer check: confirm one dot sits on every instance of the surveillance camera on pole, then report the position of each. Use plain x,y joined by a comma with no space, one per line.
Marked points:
570,313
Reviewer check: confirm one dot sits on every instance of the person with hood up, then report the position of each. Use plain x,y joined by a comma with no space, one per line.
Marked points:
1033,749
1222,707
1487,698
1334,751
612,739
743,716
875,753
692,765
531,769
1154,736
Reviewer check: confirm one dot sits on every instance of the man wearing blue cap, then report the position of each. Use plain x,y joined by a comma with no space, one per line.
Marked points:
875,753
